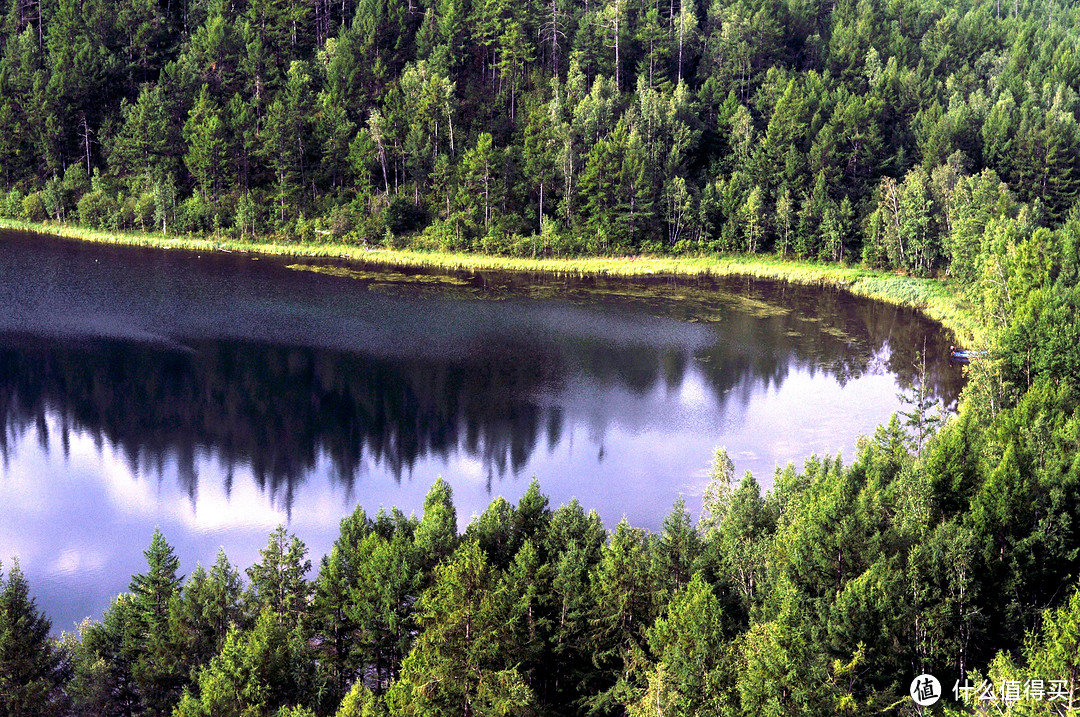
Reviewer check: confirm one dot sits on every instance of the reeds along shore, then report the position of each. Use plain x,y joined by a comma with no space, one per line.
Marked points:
935,298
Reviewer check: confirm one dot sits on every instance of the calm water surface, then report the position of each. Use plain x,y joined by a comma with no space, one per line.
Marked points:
218,396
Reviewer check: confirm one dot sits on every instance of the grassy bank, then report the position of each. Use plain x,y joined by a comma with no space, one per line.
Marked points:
934,298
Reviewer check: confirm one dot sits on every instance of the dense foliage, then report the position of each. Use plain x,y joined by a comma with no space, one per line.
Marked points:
927,137
889,131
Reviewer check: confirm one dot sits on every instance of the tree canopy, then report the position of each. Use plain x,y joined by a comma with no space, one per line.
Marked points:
889,132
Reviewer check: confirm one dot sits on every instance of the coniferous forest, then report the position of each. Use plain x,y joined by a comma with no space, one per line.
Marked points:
856,130
933,138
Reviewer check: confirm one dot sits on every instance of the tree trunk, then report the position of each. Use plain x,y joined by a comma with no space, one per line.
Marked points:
682,22
618,85
555,39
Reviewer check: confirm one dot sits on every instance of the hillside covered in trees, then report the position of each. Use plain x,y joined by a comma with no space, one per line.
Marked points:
916,135
850,129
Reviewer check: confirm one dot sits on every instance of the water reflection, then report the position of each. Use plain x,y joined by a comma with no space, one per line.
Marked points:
275,410
217,395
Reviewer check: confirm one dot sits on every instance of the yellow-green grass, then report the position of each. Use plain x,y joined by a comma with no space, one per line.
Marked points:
935,298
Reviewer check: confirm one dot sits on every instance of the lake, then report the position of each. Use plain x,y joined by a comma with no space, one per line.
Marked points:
216,396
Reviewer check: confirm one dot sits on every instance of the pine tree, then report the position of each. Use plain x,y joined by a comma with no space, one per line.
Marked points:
622,608
360,702
104,659
736,544
382,606
527,582
158,660
514,51
333,604
256,673
923,420
209,605
652,36
143,144
541,153
688,640
493,531
598,191
32,667
480,186
155,588
532,516
753,220
1056,651
677,209
785,222
278,581
634,207
570,623
332,599
204,133
436,535
460,664
917,232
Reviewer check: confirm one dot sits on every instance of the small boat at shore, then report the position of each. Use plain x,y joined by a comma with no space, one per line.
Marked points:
963,355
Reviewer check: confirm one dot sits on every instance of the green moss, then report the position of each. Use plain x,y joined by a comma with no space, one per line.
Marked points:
388,277
936,299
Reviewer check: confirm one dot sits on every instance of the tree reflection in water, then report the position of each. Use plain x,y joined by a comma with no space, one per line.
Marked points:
275,410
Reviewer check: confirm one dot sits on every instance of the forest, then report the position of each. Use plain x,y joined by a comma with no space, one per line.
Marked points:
854,130
931,138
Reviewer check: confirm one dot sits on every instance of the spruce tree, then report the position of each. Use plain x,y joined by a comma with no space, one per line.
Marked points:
279,581
436,535
158,660
32,666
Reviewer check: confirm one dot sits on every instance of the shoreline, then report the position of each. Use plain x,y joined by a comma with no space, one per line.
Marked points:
932,297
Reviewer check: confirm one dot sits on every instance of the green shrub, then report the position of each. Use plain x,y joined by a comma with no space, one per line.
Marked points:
499,242
33,207
439,236
53,196
11,206
371,229
306,229
96,209
76,183
403,216
144,212
246,216
341,221
124,213
193,215
223,219
652,246
567,243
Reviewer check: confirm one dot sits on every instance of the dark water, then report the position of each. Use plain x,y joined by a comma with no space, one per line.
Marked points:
217,396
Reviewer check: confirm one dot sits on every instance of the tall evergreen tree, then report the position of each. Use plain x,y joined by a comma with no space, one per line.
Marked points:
436,534
158,662
279,581
32,666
